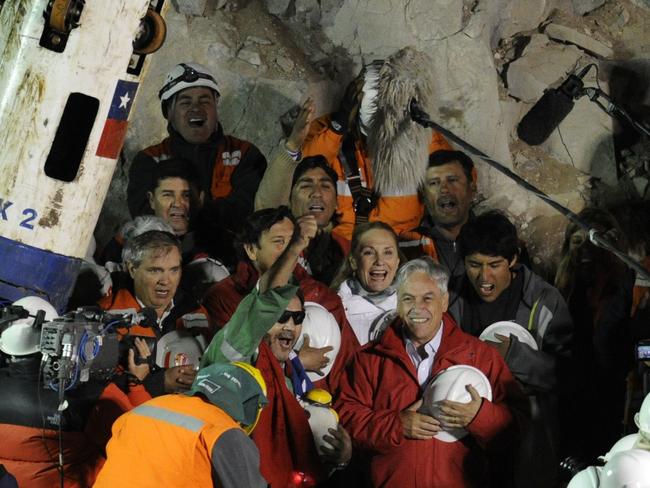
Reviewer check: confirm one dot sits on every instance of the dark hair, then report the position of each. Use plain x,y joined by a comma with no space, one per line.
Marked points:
491,234
301,297
175,168
445,156
345,271
258,222
311,162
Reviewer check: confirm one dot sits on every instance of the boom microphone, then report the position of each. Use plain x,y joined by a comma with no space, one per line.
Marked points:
550,110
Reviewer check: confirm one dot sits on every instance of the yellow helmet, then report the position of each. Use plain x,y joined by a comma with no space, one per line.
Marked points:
255,373
319,396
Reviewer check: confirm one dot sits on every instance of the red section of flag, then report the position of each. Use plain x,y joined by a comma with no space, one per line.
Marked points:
110,144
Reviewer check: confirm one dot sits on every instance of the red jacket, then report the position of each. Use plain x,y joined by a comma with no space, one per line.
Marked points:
382,381
283,435
222,298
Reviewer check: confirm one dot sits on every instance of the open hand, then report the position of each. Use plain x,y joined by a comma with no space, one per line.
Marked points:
313,358
418,425
301,126
456,414
341,450
501,347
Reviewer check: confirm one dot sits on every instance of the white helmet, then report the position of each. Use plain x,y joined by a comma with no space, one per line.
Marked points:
623,444
627,469
642,418
323,330
185,75
506,328
20,338
450,384
587,478
178,348
321,417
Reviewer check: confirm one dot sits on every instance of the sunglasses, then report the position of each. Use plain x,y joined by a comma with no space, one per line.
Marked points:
298,317
190,75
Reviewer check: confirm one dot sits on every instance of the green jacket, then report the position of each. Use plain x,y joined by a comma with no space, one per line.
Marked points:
255,315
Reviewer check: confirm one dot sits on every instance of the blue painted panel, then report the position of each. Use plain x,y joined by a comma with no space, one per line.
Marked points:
27,270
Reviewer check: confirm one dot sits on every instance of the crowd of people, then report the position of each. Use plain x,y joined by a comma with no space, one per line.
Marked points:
450,363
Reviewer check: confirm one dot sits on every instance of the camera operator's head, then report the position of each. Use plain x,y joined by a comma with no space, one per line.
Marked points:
153,259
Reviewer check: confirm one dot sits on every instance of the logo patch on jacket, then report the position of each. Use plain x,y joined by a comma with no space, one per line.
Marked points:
231,158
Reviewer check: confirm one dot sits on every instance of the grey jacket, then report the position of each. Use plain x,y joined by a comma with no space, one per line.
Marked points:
542,374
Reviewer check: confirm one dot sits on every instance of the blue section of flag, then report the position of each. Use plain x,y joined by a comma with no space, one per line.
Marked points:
122,100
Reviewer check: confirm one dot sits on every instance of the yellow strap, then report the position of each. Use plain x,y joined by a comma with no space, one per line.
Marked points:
532,315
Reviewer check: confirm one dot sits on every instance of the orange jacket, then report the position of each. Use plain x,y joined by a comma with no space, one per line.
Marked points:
227,160
184,315
193,320
402,212
167,441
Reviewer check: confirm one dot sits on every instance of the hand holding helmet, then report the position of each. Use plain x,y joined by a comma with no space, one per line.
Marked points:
454,397
418,425
455,415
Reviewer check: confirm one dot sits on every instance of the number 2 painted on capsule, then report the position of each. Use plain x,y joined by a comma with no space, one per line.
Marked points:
31,213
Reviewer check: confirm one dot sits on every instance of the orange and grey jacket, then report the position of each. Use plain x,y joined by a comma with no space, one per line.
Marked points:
185,314
401,211
187,441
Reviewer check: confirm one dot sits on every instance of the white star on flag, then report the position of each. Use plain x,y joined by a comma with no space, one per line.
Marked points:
124,100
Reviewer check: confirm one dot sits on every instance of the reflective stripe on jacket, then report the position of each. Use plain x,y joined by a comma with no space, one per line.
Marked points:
167,441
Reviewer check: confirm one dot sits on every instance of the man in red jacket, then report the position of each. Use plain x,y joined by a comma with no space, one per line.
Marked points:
263,238
382,393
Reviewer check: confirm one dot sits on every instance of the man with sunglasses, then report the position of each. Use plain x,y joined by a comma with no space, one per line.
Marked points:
263,331
229,169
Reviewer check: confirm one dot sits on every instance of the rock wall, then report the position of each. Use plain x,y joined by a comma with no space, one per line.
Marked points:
492,60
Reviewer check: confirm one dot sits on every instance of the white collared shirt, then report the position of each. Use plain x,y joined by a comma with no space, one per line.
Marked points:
423,364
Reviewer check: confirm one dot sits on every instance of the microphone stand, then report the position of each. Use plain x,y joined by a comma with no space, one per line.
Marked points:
421,117
612,108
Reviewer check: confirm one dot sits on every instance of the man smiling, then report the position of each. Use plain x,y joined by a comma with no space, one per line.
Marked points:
381,394
229,169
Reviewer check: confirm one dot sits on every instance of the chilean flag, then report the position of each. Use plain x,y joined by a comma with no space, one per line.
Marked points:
116,124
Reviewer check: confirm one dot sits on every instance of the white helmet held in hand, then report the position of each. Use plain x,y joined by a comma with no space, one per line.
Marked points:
20,338
506,328
587,478
321,416
627,469
179,348
323,330
450,384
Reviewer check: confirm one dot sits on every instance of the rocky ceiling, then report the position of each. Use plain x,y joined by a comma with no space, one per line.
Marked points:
492,60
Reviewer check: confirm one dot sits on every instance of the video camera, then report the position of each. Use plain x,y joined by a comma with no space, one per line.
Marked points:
81,345
84,344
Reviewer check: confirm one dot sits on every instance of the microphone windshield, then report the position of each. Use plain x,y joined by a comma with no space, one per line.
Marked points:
541,120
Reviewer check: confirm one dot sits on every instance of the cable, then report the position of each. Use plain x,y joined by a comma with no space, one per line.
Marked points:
422,118
109,325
